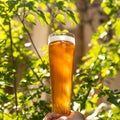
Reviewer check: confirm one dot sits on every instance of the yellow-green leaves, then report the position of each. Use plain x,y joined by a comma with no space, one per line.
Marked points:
116,26
60,18
95,98
16,54
31,18
42,6
91,1
47,16
110,7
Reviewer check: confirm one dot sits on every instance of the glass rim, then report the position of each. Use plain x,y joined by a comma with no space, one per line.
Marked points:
63,36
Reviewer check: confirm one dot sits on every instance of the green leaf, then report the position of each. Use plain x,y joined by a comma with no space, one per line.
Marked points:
43,17
30,4
95,98
117,27
60,18
91,1
31,18
16,54
106,9
116,58
105,71
47,16
42,6
60,4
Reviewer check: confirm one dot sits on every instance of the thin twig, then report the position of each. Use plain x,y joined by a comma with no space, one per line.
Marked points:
13,64
31,39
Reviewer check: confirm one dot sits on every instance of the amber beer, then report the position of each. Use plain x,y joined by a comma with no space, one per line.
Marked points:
61,57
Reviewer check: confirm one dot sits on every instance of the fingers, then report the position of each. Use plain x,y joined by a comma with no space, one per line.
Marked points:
51,116
75,116
62,118
72,116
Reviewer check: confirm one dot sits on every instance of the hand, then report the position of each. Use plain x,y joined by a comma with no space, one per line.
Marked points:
72,116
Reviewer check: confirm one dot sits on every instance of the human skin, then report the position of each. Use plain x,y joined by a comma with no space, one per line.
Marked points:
72,116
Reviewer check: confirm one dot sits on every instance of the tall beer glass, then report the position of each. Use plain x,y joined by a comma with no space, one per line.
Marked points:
61,57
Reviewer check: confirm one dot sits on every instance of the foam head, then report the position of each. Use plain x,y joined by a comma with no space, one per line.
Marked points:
63,37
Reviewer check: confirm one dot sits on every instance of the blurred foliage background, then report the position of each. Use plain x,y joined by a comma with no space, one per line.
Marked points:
21,88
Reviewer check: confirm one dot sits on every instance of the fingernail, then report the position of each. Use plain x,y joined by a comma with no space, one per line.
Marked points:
64,117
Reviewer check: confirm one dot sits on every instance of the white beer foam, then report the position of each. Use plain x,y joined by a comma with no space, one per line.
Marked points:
61,38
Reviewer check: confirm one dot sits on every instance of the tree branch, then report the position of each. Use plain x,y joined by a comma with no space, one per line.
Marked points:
13,64
30,39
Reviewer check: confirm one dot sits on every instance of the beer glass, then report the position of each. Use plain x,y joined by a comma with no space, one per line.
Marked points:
61,58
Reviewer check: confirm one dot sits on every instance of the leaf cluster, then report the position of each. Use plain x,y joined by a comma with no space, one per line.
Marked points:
100,64
22,71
